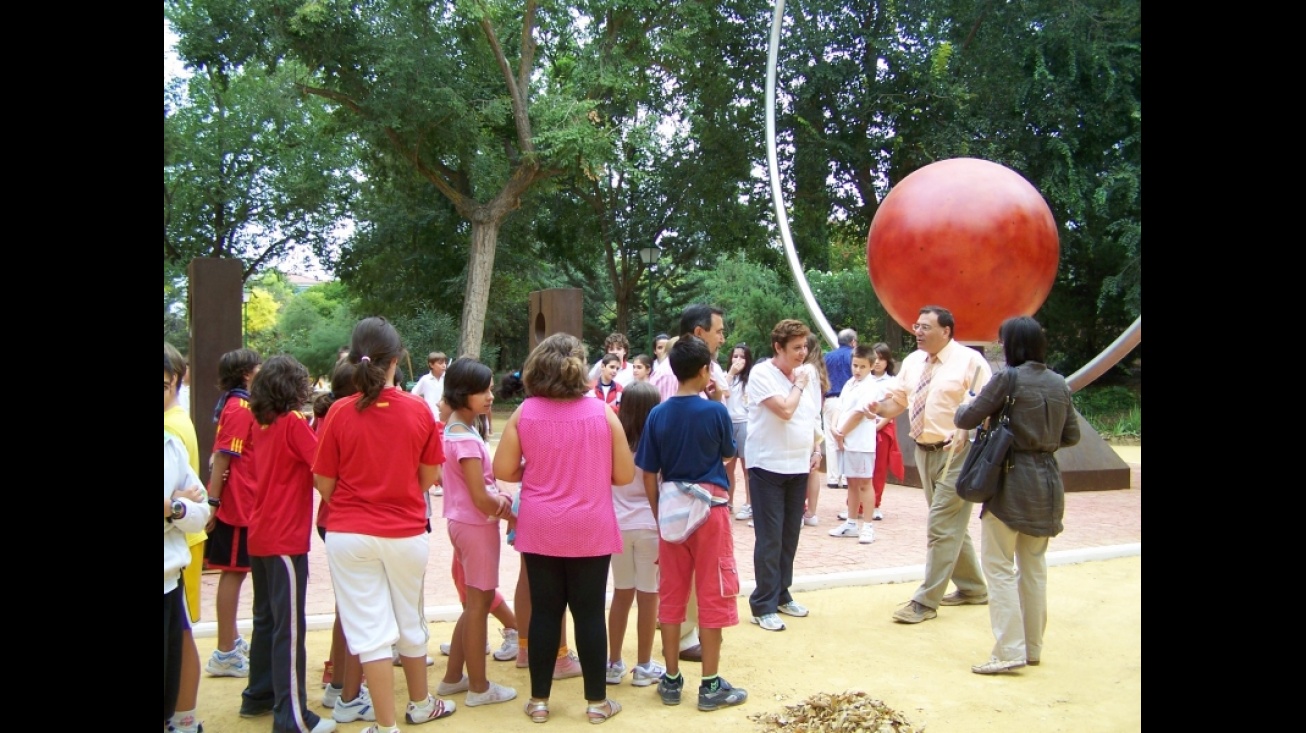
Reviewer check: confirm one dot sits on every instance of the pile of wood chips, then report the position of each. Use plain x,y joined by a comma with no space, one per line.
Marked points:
837,713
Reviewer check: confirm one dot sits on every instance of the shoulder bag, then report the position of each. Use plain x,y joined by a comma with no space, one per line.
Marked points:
986,465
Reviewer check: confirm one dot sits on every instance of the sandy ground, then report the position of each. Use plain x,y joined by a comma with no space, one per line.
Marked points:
1090,679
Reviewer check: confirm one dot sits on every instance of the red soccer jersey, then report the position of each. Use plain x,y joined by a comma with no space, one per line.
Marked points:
374,455
237,431
283,509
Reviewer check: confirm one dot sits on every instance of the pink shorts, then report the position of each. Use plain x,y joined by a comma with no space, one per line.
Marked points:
707,559
476,549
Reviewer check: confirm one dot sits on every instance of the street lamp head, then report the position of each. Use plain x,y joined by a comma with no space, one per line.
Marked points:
649,255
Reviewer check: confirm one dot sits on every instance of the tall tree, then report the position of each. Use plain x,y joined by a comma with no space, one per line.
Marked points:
434,84
250,170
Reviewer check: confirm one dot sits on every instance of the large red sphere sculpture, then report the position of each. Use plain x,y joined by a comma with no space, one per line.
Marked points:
969,235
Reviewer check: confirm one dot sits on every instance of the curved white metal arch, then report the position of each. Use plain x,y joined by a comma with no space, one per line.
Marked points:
1109,357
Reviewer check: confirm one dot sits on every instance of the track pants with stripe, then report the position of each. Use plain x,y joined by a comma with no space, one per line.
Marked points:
276,656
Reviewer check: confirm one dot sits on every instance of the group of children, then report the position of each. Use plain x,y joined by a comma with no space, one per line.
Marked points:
258,512
613,374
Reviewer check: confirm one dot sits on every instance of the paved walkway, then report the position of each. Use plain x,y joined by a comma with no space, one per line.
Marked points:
1099,519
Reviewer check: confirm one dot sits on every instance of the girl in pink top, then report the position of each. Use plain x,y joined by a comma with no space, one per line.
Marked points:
473,507
575,451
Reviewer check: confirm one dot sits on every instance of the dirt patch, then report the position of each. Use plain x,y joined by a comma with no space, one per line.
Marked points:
1090,678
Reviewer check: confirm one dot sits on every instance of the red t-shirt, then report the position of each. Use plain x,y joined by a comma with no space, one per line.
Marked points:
237,431
283,508
374,455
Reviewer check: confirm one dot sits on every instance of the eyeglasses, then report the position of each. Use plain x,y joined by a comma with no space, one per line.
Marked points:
922,327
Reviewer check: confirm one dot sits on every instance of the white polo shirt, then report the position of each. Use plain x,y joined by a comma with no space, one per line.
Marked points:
430,389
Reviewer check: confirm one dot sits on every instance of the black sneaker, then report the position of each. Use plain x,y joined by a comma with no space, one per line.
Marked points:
669,689
722,697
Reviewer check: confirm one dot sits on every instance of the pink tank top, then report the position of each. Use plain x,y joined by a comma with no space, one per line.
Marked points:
566,491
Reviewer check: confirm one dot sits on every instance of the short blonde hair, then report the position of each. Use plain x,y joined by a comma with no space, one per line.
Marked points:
557,368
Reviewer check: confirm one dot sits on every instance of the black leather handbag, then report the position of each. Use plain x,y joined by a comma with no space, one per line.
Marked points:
986,465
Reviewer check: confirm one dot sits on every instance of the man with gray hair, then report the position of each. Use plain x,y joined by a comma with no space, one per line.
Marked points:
839,365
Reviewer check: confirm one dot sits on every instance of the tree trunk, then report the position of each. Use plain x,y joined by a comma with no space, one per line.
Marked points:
476,298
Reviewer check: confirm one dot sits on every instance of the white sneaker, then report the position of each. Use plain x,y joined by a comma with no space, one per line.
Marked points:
507,651
360,708
331,695
394,657
867,535
877,516
745,513
242,646
811,521
448,645
429,709
228,664
647,674
616,670
495,693
445,689
847,529
843,514
793,608
770,622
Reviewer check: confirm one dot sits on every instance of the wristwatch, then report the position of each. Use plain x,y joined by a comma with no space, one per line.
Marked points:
178,510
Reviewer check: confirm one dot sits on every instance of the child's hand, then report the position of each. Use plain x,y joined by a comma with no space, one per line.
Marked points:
503,510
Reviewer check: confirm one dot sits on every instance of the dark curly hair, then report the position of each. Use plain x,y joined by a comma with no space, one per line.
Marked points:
234,366
279,387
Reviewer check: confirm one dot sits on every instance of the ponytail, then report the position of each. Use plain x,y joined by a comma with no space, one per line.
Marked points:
374,345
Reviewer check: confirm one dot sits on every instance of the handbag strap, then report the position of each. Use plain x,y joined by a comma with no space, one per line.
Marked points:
1004,414
1001,418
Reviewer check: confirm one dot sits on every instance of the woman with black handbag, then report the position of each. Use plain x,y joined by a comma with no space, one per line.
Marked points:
1027,510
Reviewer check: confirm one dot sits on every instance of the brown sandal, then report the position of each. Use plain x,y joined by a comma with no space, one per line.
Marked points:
601,712
538,710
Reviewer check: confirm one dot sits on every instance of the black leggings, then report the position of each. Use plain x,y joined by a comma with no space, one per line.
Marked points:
557,583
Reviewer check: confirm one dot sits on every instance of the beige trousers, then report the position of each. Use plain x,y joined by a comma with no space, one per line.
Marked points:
949,552
1017,569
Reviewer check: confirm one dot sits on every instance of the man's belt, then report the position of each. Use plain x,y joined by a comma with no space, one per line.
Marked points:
932,447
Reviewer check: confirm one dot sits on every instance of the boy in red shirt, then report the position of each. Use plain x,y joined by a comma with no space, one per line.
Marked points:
232,483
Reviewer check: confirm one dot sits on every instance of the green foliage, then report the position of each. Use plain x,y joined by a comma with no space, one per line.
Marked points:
315,324
848,301
426,331
1114,411
754,299
251,169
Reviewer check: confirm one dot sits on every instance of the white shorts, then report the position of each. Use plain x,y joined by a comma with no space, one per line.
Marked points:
856,464
636,567
378,583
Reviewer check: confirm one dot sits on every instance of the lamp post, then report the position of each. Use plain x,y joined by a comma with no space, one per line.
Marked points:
649,256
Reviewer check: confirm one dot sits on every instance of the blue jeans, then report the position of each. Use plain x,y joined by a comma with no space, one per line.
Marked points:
778,500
